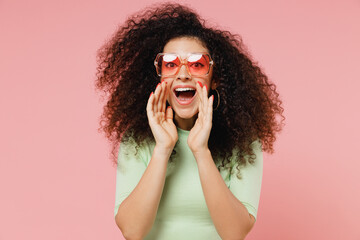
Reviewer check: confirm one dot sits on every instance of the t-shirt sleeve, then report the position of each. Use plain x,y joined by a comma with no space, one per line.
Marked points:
130,168
247,189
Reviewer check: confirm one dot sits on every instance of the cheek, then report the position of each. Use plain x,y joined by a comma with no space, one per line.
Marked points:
169,83
167,79
207,82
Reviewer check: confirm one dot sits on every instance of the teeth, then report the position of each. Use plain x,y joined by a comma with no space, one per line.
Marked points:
184,89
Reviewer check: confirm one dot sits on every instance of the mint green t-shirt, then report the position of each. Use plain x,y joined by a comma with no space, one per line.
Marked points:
182,212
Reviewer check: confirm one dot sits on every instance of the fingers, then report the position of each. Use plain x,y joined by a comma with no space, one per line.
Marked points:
160,97
169,114
152,106
156,98
199,91
149,106
210,106
162,101
199,88
205,103
166,94
205,100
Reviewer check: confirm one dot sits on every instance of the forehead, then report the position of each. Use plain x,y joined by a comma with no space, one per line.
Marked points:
184,45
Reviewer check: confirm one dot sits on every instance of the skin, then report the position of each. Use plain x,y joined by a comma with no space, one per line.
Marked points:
196,116
137,213
231,218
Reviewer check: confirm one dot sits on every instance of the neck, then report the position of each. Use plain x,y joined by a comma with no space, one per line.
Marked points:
185,124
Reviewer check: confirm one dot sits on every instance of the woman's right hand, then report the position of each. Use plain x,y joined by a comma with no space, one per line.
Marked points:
161,119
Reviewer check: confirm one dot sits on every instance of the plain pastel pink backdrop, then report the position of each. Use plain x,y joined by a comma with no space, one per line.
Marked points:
56,176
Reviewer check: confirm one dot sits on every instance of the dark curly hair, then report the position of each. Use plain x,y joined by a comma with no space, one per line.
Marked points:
249,109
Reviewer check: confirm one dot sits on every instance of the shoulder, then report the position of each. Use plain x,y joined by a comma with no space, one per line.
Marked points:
249,163
256,148
130,149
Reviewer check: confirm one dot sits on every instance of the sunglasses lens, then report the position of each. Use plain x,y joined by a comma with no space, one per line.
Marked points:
169,64
199,64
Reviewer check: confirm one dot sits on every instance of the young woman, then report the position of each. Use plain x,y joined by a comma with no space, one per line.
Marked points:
192,114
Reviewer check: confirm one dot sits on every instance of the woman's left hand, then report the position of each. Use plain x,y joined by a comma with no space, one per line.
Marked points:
199,135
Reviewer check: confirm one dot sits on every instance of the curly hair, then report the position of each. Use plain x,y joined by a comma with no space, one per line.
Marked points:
249,110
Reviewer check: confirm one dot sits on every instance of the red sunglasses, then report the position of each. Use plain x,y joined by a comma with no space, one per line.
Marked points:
169,64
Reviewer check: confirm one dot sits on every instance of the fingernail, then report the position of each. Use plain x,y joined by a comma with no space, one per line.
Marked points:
200,83
151,94
206,87
158,85
162,80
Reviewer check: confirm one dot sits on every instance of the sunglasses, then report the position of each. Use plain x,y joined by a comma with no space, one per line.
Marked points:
169,64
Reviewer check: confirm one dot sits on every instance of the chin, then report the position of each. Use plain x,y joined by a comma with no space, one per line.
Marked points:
185,113
185,116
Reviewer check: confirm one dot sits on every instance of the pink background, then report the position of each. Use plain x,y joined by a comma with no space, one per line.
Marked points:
56,177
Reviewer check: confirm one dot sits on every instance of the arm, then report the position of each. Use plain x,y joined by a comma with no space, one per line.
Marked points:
137,212
231,218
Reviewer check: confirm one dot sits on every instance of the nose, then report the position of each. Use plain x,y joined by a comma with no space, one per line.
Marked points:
183,73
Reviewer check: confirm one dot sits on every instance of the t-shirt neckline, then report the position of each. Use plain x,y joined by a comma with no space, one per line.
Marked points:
183,132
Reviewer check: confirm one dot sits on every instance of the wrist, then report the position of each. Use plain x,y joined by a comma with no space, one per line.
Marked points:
201,153
163,150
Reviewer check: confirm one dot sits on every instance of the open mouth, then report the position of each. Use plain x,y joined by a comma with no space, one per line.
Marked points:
184,95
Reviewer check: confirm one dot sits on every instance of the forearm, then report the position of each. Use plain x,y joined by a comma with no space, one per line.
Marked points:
230,217
137,212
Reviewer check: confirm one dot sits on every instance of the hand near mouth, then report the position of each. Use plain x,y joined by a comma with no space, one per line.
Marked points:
199,135
161,119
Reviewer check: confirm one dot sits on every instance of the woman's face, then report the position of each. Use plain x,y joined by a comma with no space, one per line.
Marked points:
184,104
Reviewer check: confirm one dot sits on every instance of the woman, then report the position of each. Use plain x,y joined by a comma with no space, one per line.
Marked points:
191,128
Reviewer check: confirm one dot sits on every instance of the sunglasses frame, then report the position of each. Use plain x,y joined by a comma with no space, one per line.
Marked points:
182,62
